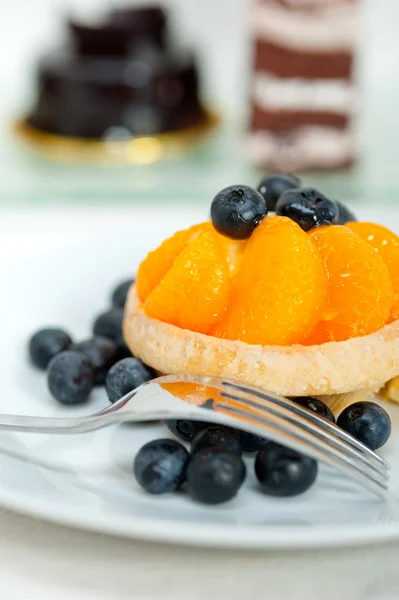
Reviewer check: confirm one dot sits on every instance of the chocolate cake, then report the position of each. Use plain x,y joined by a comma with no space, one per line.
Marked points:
117,78
303,94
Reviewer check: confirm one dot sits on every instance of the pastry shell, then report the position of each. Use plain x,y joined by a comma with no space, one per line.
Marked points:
363,363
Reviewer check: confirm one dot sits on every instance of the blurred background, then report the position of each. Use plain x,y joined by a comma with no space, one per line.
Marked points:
242,49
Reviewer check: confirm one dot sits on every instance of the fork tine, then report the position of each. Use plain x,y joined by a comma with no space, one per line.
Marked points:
313,429
286,433
291,424
269,416
329,427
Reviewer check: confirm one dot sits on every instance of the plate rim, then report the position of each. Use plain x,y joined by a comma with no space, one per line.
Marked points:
204,535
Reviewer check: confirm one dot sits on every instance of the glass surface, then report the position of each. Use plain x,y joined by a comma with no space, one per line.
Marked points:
27,178
197,175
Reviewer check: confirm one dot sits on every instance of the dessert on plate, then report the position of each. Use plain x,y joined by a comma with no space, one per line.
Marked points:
282,289
303,302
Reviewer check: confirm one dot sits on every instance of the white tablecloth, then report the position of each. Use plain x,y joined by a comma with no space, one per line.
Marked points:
40,561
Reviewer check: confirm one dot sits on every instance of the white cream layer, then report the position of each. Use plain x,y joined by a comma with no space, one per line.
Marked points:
308,147
332,28
275,93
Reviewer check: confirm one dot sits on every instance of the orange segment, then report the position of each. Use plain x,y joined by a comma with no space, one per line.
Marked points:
233,251
319,335
360,289
386,243
280,289
194,293
201,394
159,261
192,394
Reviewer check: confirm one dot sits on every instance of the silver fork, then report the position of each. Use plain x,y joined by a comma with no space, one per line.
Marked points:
228,403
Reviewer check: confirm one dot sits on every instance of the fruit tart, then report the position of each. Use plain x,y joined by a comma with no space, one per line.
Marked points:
302,301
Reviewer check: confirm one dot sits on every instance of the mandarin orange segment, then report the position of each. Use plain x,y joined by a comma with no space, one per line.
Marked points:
386,243
158,262
319,335
280,290
360,289
194,293
193,394
233,251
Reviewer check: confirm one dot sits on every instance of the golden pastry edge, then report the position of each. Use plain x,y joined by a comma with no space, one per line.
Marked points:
359,364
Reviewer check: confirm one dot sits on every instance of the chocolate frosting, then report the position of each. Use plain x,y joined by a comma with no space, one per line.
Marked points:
117,77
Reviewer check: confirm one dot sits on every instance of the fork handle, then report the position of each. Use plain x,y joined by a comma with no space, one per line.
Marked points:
111,415
57,425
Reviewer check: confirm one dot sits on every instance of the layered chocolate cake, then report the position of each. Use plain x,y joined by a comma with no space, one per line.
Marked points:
117,78
303,94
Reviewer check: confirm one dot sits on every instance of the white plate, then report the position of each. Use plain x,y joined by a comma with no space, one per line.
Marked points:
58,268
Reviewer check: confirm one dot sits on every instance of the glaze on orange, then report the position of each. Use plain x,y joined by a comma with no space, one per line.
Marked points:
158,262
386,243
194,293
280,287
360,288
280,290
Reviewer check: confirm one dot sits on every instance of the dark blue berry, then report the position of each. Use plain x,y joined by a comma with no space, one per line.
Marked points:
101,352
160,466
217,436
119,295
251,442
367,422
124,376
186,430
237,210
307,207
70,377
272,186
214,475
123,350
47,343
284,472
316,406
344,214
109,324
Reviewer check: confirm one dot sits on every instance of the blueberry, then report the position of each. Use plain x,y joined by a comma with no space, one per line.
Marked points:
344,214
123,350
214,475
109,324
101,352
70,377
251,442
124,376
160,466
237,210
367,422
47,343
315,405
272,186
284,472
186,430
217,436
119,295
307,207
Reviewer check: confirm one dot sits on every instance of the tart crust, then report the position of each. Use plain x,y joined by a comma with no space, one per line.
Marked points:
366,362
